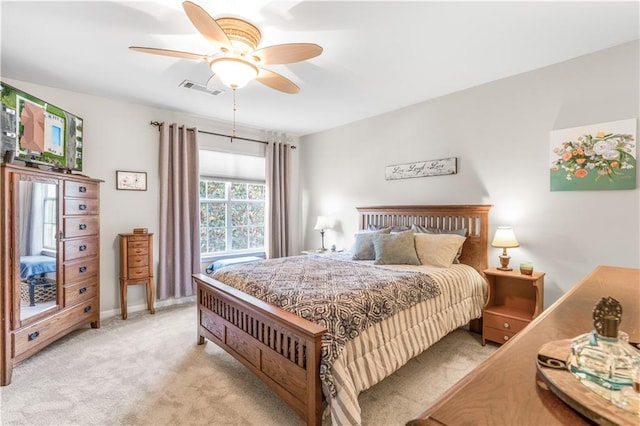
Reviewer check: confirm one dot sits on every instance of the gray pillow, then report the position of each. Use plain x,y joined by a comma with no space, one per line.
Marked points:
418,229
395,249
393,228
363,246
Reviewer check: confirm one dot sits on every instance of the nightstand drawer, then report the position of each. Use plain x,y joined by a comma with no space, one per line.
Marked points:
138,250
495,335
137,261
500,322
135,273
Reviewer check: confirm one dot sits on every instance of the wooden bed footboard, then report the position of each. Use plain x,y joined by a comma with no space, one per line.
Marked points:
279,347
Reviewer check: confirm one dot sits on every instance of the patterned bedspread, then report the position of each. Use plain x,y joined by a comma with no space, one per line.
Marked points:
344,296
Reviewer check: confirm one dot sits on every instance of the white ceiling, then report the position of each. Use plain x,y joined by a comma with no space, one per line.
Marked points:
378,56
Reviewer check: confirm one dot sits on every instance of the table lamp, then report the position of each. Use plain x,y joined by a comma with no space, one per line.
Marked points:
323,223
504,238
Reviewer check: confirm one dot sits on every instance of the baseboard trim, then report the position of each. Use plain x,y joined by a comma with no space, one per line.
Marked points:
143,306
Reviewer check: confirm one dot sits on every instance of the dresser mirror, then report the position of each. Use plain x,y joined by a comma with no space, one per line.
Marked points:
38,245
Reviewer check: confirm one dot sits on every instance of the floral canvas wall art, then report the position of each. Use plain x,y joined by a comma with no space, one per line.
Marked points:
594,157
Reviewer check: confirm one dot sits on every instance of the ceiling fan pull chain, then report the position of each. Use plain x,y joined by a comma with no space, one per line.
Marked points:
233,132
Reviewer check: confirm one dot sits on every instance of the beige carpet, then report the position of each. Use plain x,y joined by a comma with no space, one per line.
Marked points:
148,370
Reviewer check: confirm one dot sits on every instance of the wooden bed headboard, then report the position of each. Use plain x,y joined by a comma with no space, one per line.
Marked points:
474,218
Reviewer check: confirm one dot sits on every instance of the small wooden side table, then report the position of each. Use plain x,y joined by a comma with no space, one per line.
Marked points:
136,267
514,300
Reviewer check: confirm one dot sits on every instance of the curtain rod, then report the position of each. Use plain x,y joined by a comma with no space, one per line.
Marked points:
157,124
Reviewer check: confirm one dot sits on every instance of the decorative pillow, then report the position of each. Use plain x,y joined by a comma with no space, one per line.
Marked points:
395,249
425,230
394,229
438,249
363,245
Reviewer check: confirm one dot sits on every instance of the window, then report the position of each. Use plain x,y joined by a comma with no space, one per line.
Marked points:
49,218
231,216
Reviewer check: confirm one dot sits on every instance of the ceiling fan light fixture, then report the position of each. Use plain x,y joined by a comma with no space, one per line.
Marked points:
243,35
234,72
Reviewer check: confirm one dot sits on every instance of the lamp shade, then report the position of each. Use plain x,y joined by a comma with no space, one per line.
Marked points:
234,72
323,222
504,238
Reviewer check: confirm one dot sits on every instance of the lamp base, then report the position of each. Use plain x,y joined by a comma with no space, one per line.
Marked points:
504,263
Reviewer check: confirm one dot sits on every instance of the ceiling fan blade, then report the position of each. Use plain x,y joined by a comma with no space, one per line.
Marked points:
276,81
206,25
287,53
167,52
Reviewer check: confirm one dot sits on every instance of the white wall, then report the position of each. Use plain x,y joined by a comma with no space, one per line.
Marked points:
118,136
500,134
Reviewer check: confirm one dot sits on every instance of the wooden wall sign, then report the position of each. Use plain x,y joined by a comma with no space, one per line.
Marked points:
444,166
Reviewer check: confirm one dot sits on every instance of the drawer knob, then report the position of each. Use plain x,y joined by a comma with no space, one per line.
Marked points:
83,290
506,325
505,338
82,226
82,189
82,248
82,207
34,335
87,309
83,269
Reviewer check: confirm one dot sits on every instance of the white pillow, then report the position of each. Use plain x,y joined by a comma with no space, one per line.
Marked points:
438,249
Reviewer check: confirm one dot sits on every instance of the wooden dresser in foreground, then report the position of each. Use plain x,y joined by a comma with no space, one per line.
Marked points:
136,267
504,389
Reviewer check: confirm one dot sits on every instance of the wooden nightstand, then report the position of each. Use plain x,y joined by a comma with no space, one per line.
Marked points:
514,300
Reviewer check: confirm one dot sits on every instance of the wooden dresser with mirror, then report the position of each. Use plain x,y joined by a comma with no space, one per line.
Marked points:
50,246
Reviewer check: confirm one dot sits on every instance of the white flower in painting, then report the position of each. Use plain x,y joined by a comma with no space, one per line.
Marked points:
601,147
611,155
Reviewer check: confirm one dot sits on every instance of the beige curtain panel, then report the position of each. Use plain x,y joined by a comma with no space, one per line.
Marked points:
278,163
179,235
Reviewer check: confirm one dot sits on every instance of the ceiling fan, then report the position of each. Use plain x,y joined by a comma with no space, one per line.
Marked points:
237,61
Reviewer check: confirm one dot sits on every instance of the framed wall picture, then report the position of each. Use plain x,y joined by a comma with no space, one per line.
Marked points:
131,181
594,157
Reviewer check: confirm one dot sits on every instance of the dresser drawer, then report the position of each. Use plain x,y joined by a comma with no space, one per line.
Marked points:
138,250
80,189
500,322
137,261
80,292
38,335
81,226
80,270
77,206
135,273
76,249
